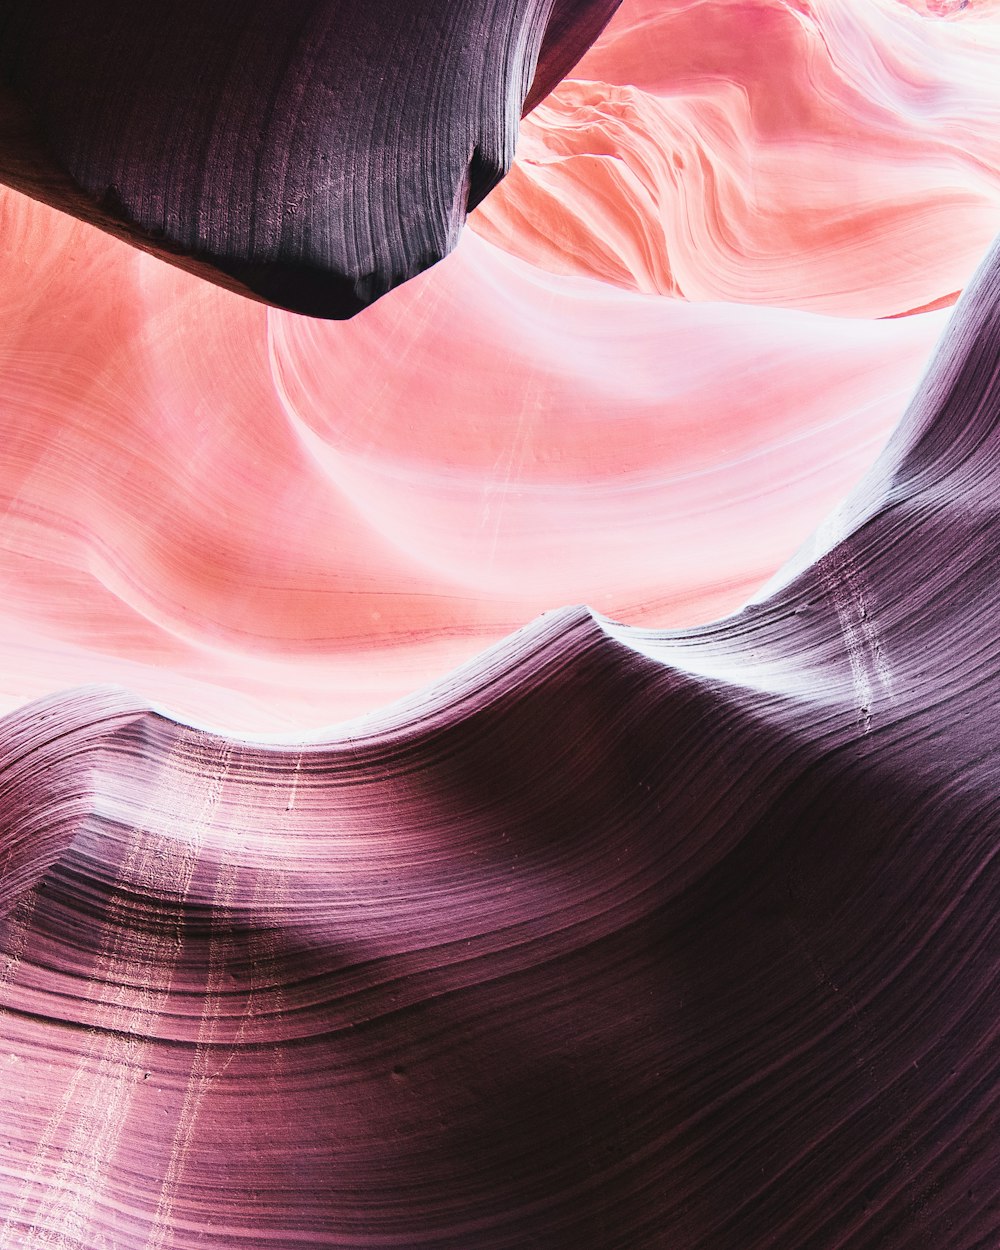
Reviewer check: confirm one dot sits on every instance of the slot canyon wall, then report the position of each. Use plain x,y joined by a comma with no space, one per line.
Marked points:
499,572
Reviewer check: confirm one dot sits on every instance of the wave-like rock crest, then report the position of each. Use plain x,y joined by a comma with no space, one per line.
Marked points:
617,940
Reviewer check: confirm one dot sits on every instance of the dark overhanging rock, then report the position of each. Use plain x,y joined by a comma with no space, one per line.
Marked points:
313,153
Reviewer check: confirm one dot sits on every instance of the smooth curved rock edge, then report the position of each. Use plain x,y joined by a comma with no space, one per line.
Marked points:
616,940
313,154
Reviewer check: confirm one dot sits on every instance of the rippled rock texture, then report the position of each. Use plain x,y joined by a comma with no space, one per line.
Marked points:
617,939
313,152
827,154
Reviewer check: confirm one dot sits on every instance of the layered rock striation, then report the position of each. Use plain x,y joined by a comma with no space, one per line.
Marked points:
617,939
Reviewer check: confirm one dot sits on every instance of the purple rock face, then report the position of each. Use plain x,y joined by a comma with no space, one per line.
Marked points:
314,153
619,941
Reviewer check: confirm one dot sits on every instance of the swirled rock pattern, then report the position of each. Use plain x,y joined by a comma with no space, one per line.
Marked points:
827,155
619,939
615,938
268,522
313,152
